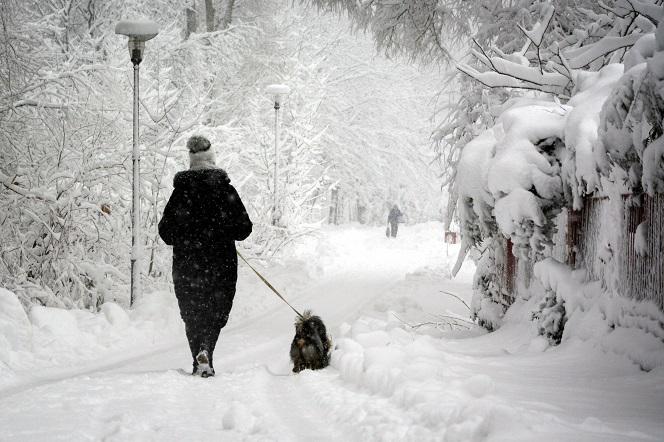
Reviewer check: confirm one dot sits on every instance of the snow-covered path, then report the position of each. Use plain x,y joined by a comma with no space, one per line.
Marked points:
387,381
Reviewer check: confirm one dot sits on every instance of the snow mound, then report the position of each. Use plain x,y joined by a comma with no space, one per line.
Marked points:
618,325
115,314
410,371
58,324
15,328
50,337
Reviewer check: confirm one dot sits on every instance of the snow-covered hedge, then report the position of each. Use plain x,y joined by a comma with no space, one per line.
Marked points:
537,159
486,307
516,177
631,148
542,156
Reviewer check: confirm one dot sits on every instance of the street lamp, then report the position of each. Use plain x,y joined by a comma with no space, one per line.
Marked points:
278,91
138,32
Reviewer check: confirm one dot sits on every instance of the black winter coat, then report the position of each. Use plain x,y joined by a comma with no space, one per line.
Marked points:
202,220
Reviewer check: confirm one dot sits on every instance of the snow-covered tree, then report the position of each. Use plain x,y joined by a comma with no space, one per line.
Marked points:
564,39
424,30
579,77
65,135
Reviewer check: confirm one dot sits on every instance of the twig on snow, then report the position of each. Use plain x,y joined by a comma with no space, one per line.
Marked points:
457,297
436,323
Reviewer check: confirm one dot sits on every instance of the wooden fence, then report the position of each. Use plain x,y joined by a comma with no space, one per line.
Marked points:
642,276
509,272
586,235
604,229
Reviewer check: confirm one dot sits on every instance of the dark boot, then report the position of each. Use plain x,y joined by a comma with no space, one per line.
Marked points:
202,367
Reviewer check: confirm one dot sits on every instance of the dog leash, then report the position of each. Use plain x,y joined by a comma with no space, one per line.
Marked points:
267,283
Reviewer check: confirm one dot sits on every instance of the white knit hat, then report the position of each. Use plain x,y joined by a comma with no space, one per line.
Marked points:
201,155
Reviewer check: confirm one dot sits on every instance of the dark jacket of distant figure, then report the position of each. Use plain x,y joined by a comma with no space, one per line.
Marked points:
202,220
394,216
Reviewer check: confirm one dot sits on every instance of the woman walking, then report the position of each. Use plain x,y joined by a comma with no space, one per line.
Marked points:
202,220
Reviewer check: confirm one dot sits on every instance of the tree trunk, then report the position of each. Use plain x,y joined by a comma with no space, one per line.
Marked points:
192,20
228,14
209,15
334,207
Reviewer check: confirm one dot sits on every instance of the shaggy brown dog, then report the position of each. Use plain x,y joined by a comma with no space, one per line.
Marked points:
311,346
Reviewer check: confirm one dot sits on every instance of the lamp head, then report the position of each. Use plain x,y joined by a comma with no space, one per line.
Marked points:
138,32
277,91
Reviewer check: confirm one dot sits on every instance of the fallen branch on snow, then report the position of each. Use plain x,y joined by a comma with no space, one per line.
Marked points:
450,321
457,297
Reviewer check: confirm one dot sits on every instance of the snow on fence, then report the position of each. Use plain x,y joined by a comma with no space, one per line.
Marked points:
585,234
591,238
516,274
562,249
586,240
505,267
642,260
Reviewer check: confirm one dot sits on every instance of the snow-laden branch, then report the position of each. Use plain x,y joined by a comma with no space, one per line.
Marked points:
537,33
7,182
528,74
650,10
34,103
583,56
60,76
550,69
493,79
512,70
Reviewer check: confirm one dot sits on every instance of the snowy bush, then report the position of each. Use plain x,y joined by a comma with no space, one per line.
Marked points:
631,151
510,185
487,306
550,317
516,178
542,154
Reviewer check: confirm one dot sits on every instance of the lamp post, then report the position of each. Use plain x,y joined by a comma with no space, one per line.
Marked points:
138,32
277,91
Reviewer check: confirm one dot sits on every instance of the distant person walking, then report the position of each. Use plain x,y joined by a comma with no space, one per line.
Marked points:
393,219
202,220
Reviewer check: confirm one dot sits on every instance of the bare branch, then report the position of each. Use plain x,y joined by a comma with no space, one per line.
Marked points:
455,296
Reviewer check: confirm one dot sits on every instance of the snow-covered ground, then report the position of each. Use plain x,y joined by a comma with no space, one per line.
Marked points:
400,369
